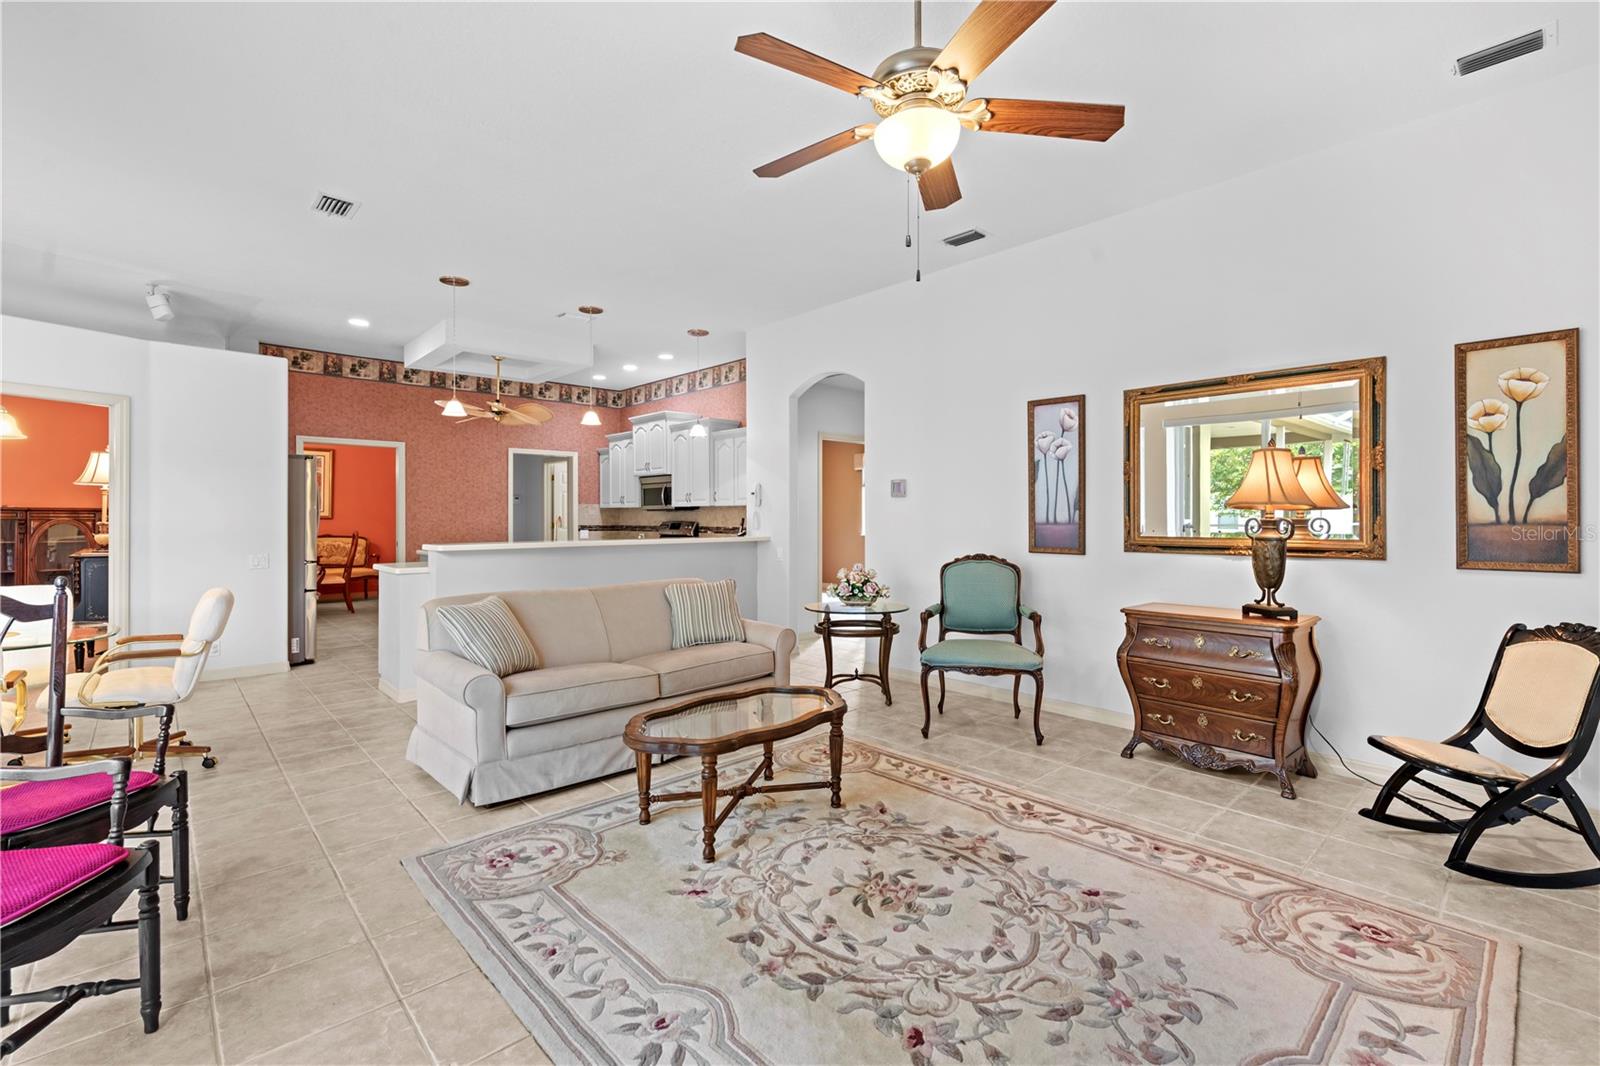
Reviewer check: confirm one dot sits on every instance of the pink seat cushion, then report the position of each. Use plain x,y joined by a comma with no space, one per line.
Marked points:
32,877
37,802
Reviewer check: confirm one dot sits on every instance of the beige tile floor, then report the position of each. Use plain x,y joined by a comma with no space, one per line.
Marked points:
309,943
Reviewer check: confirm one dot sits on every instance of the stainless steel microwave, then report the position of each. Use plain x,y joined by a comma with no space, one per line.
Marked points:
655,493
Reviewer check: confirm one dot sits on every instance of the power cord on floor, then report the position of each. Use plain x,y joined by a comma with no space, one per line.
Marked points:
1375,784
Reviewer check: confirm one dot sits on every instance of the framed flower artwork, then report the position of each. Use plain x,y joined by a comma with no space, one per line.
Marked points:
1055,475
1517,453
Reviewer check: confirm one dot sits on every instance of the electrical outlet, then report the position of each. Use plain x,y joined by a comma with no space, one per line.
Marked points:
216,647
258,562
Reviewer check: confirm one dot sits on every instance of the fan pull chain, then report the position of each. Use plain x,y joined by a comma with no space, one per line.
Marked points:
908,210
919,236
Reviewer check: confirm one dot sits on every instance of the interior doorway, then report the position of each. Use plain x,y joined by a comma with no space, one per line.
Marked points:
541,495
841,529
65,457
368,491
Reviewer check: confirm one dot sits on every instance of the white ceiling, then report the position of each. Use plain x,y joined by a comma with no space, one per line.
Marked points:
561,154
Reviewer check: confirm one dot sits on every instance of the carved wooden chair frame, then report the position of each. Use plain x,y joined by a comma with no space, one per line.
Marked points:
1016,635
1507,801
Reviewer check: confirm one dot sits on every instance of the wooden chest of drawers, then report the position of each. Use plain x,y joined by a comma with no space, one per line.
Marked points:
1221,690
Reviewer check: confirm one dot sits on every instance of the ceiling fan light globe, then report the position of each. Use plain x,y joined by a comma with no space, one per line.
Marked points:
918,137
453,408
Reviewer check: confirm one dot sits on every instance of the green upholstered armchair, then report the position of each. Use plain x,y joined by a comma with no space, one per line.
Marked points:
982,595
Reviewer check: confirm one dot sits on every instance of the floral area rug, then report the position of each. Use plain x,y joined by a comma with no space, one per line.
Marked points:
940,917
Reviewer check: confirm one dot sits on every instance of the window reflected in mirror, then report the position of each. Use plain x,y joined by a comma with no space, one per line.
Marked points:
1190,446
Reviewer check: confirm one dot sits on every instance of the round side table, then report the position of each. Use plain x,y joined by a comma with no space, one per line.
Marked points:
866,621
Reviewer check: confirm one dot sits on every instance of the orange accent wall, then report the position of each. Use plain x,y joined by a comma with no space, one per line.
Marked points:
842,542
39,471
363,494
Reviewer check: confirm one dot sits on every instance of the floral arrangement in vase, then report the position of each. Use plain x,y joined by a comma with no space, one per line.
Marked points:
857,585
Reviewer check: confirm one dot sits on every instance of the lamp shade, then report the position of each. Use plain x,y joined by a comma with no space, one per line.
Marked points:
453,408
97,471
590,417
1270,484
9,430
1313,479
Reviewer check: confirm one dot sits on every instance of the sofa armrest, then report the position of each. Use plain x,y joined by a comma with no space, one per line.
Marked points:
463,681
779,638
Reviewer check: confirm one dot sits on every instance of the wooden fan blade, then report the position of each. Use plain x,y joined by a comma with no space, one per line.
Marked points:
813,152
938,186
1052,118
988,31
769,49
528,415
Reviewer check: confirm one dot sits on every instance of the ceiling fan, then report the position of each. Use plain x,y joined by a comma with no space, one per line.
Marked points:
520,414
920,95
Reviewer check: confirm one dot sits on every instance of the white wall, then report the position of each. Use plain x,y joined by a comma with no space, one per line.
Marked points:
1472,224
838,411
208,475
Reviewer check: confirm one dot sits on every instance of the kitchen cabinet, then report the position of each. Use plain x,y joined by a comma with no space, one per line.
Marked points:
692,479
728,484
624,481
607,495
650,450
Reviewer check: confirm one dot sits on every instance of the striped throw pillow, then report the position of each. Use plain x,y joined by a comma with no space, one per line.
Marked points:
704,612
490,635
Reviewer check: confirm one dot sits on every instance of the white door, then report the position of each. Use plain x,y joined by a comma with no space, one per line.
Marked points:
557,521
700,468
641,448
608,496
660,458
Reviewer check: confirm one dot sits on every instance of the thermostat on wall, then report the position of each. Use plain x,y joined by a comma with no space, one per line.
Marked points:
897,488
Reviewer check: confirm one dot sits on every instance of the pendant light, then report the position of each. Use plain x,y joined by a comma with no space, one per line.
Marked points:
454,408
591,417
699,427
9,430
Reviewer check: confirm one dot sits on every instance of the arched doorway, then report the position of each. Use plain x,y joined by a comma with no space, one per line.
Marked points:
827,519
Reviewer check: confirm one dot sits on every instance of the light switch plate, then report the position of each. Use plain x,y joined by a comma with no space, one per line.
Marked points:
258,562
897,488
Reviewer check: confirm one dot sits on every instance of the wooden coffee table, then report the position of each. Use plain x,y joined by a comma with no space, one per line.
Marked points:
714,725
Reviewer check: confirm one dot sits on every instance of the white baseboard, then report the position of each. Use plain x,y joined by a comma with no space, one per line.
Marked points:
399,695
230,673
1325,762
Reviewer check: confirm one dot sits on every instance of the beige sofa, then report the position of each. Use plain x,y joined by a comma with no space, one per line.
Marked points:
605,655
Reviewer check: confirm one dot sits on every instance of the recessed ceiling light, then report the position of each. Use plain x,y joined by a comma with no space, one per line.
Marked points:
358,323
630,367
664,355
599,377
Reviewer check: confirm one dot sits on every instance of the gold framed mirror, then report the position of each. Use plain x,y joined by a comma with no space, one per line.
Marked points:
1186,449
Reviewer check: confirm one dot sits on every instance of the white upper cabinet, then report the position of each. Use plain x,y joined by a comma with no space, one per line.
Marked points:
650,453
727,468
624,488
606,493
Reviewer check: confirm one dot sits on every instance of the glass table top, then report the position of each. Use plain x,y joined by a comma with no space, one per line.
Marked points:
721,718
37,635
840,607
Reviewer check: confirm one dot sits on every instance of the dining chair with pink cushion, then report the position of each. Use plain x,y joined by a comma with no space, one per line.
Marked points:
51,896
52,812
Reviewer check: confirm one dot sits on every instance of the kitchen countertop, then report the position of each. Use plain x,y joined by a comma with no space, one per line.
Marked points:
558,545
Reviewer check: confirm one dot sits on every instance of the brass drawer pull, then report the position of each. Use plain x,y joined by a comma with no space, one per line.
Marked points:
1157,682
1199,640
1248,697
1245,738
1239,653
1161,719
1156,642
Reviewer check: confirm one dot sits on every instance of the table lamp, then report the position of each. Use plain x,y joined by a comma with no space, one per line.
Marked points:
1313,478
97,471
1270,485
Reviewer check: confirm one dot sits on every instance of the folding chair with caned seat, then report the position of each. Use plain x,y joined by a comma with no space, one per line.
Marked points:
1542,700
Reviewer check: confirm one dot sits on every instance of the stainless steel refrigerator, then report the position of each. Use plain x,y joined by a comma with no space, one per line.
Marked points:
305,508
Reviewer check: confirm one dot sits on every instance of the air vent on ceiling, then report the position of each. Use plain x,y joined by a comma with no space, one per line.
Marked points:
1494,55
956,240
334,206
